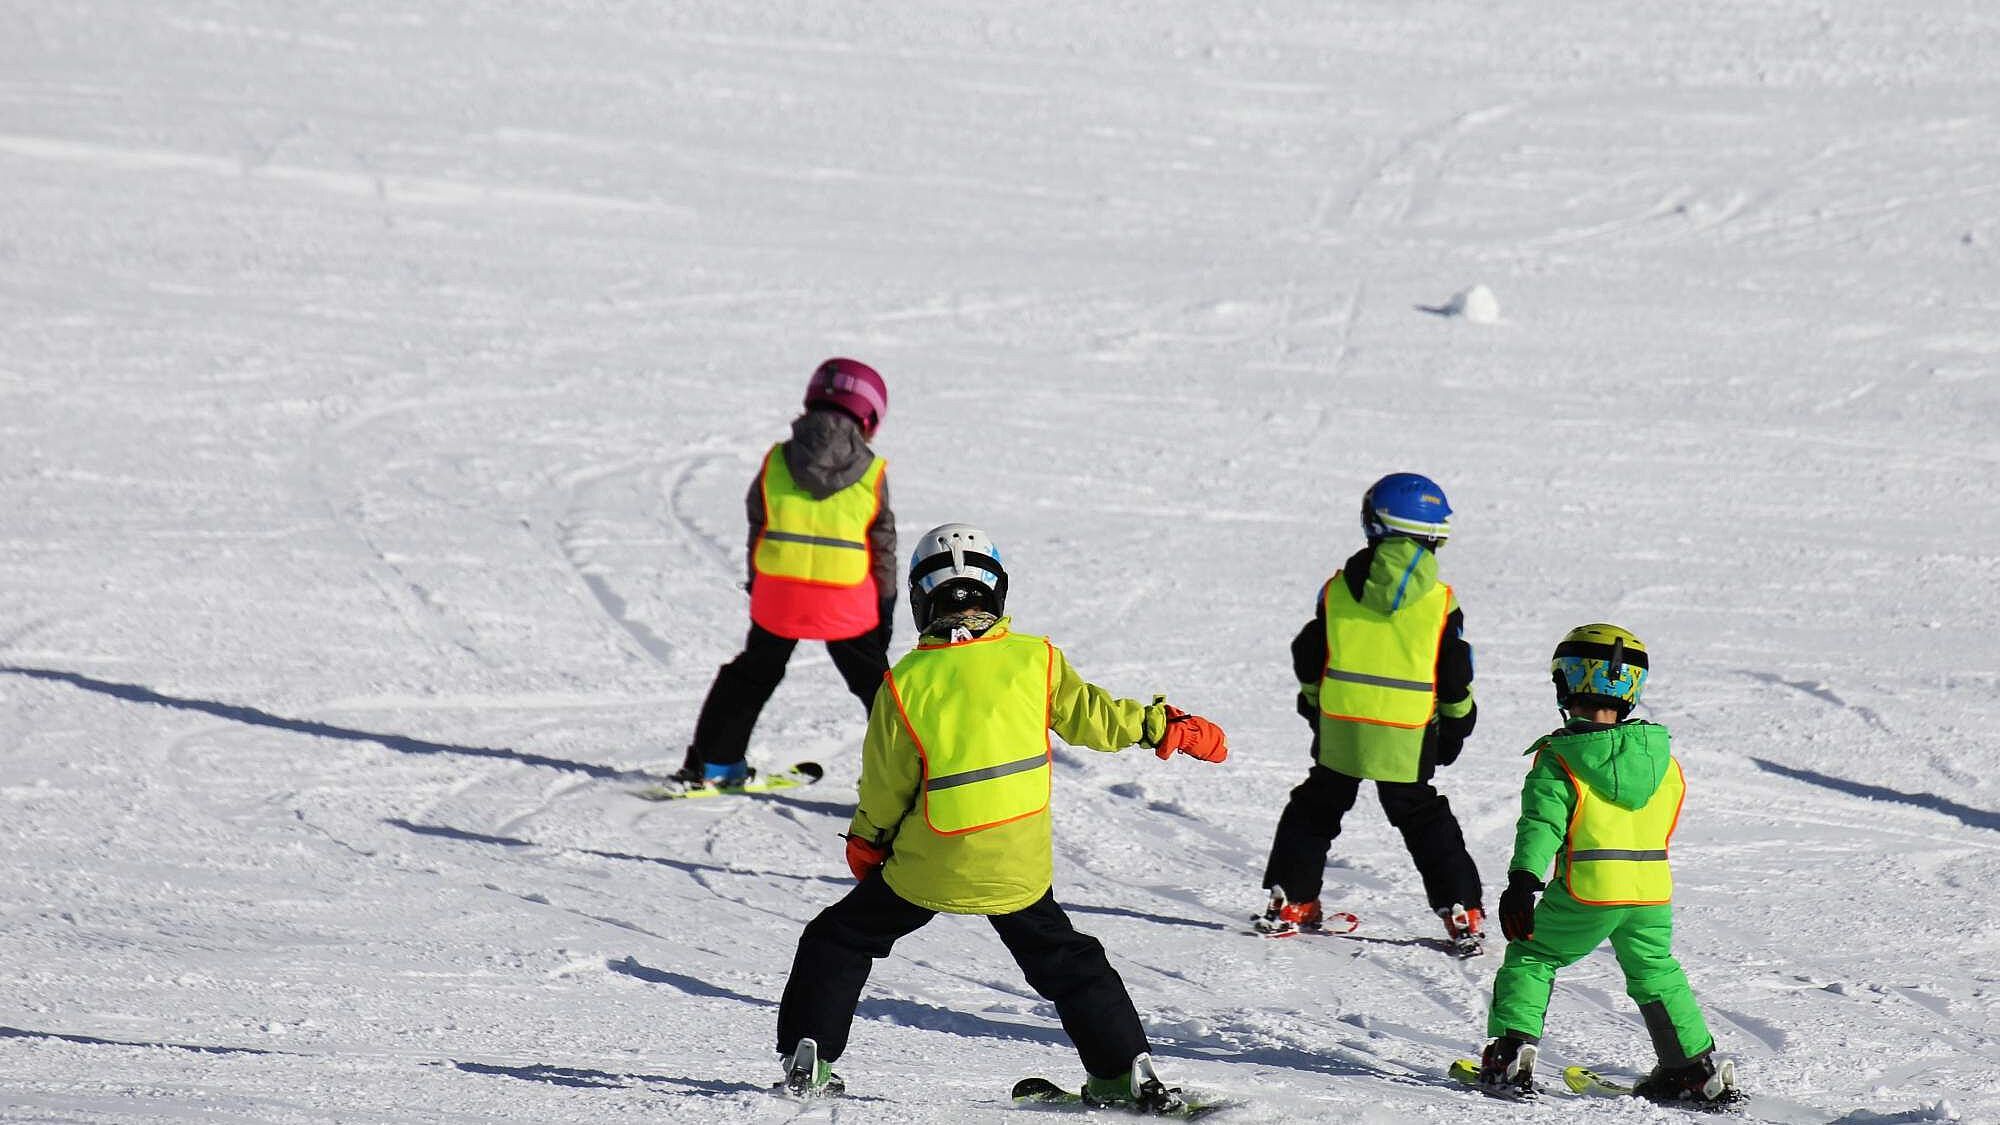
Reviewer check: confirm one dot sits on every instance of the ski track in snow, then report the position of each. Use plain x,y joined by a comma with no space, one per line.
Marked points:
379,385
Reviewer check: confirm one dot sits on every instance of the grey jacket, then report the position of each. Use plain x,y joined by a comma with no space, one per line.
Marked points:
826,454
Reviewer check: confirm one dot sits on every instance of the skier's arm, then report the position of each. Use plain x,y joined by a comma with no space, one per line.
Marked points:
1083,714
753,507
1457,713
1309,661
882,561
890,772
1547,803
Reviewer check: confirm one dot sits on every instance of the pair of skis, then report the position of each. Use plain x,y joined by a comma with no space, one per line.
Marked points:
798,775
1341,923
1584,1081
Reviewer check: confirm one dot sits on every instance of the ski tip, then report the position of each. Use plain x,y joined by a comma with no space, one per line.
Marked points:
812,770
1037,1089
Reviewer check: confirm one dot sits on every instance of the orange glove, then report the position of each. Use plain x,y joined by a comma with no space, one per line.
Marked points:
863,857
1191,735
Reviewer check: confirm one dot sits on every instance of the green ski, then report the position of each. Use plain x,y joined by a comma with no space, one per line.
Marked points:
1042,1092
800,774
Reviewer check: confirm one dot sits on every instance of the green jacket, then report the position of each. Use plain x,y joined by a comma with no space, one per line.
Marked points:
995,870
1624,764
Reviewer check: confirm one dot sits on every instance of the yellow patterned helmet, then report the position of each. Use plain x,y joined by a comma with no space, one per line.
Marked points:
1599,665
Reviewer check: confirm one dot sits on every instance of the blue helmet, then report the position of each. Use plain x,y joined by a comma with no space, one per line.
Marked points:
1406,504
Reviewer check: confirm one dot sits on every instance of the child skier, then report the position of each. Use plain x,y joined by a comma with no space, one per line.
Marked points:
956,776
1385,677
822,564
1601,800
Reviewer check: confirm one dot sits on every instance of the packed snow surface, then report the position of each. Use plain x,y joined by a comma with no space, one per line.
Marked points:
380,381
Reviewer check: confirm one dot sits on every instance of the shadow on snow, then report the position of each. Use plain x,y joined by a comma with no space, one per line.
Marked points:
94,1041
467,836
693,986
1964,814
136,693
587,1078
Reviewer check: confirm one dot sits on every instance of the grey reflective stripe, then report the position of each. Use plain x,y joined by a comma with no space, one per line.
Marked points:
953,780
1377,681
814,540
1617,853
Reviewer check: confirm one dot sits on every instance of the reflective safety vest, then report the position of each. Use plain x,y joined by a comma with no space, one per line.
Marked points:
1378,692
812,559
1618,857
979,714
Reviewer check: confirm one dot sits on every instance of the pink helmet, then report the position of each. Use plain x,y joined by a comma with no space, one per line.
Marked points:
852,386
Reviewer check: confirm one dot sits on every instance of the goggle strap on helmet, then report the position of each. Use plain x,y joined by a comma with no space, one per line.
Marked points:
1392,524
1615,654
958,561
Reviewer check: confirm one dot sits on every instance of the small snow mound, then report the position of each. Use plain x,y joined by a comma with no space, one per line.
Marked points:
1477,305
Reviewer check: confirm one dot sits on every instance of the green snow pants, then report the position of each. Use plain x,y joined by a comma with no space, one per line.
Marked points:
1566,930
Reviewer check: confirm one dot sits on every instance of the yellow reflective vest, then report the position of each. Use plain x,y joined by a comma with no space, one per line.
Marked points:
1615,856
812,556
1378,693
955,775
978,712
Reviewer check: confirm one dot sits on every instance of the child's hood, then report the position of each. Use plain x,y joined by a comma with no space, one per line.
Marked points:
827,452
1623,764
1401,572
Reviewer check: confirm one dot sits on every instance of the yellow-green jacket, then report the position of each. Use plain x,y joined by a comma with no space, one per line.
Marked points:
989,870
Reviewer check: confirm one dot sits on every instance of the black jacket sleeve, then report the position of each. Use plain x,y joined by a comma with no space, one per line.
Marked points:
1309,662
1454,685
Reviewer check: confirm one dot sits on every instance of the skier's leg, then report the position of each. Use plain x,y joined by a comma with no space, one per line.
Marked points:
1306,830
836,951
1069,970
862,662
1435,843
1565,930
1654,980
741,688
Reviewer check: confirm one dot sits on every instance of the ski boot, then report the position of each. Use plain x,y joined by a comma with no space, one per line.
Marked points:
1701,1080
1465,929
1286,917
1507,1068
1139,1090
732,776
690,774
809,1076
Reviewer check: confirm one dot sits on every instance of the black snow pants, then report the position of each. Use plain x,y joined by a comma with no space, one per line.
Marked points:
1312,818
745,684
1067,968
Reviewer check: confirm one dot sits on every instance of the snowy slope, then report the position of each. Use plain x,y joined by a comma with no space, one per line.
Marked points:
379,382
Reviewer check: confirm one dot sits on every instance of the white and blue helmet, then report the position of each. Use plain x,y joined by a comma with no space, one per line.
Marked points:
955,565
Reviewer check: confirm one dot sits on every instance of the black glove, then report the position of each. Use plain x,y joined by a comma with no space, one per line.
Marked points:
1517,905
1309,711
1452,734
885,624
